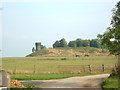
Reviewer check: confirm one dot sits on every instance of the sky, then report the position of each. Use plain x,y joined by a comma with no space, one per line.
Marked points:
24,23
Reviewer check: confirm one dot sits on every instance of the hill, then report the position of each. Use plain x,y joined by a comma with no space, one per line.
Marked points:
69,52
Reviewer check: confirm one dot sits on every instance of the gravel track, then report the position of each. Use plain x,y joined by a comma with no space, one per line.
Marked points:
92,81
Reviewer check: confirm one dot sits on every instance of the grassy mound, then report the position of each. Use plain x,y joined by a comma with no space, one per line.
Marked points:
69,52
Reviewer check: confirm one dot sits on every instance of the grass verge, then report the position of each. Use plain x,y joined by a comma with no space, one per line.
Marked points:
111,82
44,76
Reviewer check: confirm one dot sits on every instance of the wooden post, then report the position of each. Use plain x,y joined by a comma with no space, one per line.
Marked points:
84,69
4,79
34,69
90,69
103,68
116,68
14,70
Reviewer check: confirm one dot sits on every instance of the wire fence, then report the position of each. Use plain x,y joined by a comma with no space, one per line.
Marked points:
71,69
85,69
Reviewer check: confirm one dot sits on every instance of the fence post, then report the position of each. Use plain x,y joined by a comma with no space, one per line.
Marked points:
116,67
90,69
34,69
84,69
4,80
14,70
103,68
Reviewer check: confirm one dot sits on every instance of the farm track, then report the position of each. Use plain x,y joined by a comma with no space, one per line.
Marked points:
92,81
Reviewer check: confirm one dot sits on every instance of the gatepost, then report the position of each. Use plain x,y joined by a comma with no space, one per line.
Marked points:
4,79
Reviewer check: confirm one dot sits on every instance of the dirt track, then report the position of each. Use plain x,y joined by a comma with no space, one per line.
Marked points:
92,81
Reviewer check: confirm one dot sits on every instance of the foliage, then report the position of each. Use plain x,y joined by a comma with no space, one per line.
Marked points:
42,46
78,43
94,43
56,44
111,38
72,44
64,59
60,43
63,43
33,49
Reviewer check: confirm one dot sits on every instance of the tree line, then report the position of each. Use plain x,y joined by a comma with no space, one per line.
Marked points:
77,43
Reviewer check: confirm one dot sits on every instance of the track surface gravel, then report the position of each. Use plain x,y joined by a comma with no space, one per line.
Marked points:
92,81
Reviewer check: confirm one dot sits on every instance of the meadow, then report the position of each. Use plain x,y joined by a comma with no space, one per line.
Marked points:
53,64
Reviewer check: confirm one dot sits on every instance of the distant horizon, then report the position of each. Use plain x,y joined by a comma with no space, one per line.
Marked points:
44,45
25,23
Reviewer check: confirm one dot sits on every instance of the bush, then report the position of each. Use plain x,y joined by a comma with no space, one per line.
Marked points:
64,59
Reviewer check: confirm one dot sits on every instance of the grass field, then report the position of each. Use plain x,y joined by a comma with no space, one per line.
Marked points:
44,76
50,64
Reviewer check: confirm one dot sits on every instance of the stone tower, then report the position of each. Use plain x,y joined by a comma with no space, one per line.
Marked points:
38,46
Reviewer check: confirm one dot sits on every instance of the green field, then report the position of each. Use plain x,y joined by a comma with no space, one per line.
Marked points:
44,76
51,64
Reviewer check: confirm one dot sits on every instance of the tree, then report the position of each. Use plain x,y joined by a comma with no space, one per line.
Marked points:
72,44
42,46
85,43
63,43
111,38
56,44
94,43
33,49
60,43
79,42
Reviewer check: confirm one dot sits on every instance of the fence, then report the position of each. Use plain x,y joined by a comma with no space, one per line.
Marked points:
86,69
71,69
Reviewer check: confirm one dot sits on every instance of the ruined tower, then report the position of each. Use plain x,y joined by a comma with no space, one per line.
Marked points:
38,46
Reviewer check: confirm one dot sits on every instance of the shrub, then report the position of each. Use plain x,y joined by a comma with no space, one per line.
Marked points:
64,59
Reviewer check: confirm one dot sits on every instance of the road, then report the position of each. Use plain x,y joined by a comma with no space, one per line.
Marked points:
92,81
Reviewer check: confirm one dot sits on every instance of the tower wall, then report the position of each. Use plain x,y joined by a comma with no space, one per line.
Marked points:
38,46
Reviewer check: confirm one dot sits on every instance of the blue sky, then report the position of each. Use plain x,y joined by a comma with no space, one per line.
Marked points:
25,23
